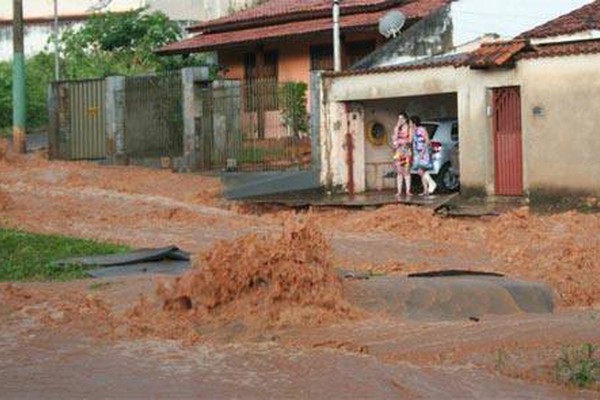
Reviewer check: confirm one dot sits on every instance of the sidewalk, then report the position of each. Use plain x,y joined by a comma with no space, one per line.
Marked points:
321,198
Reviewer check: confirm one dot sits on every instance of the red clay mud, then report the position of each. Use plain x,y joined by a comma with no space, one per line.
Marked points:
142,207
562,250
66,311
252,284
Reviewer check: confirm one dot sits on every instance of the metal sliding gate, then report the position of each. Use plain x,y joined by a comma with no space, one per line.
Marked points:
154,116
251,126
77,120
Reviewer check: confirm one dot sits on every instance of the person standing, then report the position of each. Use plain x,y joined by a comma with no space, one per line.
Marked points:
422,155
402,143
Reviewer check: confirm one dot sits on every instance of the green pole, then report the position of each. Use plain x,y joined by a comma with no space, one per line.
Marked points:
19,109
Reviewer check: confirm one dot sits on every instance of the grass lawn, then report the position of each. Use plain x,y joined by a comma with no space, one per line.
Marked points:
29,257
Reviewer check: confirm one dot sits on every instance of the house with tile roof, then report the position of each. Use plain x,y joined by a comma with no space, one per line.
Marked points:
286,39
526,111
280,42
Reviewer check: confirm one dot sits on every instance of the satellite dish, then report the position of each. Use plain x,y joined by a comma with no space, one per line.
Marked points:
391,23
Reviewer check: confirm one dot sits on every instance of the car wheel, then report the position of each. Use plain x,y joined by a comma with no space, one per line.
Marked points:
447,180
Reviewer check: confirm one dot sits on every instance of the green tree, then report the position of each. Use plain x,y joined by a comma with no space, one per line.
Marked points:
39,72
106,44
292,101
121,44
5,96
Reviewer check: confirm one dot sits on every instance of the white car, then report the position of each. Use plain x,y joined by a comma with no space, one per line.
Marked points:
443,134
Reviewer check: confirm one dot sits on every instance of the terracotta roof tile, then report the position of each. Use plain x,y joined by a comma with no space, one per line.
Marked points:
495,54
505,53
281,8
351,22
455,60
287,10
583,19
562,49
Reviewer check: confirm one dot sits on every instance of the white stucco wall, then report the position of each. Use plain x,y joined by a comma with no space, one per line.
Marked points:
476,140
37,35
35,39
357,90
562,144
561,147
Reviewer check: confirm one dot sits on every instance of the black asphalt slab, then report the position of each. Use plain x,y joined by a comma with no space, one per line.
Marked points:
132,257
463,206
167,267
320,198
167,260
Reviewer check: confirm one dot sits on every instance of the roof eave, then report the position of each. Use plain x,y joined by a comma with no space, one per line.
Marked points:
214,26
217,47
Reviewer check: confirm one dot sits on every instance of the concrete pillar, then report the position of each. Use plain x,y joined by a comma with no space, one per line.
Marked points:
191,111
53,129
226,134
18,83
115,119
316,104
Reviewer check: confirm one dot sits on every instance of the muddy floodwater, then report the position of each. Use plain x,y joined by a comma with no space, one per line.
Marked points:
263,314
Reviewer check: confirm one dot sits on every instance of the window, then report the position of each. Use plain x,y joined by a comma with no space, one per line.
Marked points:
356,51
271,64
249,66
454,133
321,58
261,81
270,75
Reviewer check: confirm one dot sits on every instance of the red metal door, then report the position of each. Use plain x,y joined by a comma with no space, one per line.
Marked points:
508,156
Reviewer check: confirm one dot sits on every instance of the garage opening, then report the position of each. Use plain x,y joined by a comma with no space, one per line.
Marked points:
439,115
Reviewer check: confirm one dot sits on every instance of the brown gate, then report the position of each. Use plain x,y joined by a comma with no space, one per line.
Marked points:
77,121
508,157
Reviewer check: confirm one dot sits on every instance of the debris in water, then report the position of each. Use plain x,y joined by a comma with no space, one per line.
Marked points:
255,283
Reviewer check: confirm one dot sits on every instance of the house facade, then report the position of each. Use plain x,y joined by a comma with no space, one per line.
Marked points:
526,110
287,39
283,41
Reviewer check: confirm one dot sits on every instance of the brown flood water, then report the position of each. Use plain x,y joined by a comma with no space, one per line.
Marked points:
283,335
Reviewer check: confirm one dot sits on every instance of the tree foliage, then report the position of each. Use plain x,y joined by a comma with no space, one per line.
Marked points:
107,44
121,44
39,71
292,99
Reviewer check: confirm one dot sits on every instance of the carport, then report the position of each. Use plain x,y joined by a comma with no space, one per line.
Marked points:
380,117
361,108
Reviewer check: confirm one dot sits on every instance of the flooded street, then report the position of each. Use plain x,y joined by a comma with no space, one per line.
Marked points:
289,333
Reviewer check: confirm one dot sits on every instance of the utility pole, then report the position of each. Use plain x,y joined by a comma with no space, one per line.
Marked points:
19,143
337,56
56,50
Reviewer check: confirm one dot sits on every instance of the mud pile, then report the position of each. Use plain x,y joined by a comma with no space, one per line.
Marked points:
560,249
412,224
253,284
407,221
